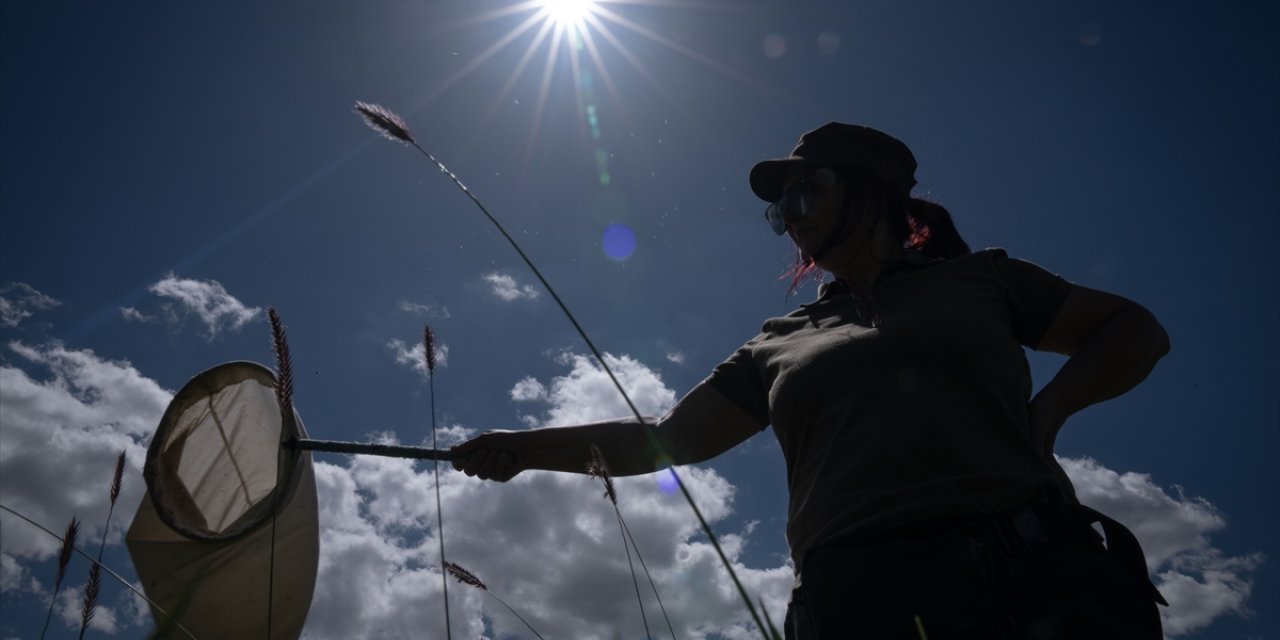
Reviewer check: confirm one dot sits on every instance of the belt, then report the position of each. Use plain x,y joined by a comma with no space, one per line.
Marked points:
1024,527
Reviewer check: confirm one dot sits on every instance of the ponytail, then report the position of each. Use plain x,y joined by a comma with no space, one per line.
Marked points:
931,231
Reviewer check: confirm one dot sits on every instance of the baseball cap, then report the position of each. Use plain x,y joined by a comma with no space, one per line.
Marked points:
839,144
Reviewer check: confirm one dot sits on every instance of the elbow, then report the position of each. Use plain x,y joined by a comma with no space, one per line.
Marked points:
1153,334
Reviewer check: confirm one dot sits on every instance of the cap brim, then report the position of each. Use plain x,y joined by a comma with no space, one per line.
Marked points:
768,176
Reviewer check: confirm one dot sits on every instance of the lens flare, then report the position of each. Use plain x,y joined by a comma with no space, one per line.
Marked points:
619,241
667,482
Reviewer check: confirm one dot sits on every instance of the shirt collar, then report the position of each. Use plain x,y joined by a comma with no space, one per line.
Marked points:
910,260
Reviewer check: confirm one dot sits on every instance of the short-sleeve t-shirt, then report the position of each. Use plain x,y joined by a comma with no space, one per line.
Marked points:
923,416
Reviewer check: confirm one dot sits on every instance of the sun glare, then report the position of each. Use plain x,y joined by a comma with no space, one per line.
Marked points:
568,12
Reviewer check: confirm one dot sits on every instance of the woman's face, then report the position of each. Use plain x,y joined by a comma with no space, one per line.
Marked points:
811,231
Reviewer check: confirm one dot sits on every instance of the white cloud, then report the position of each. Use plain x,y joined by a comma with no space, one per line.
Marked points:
676,357
131,314
506,288
208,300
430,310
1200,582
18,301
528,389
546,543
413,357
586,394
61,437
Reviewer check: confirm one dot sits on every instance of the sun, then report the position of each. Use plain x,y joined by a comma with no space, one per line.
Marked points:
567,13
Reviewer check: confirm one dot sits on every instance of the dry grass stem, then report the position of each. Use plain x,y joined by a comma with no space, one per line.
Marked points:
394,128
284,367
116,481
90,603
429,347
384,121
429,353
64,559
598,468
464,576
64,555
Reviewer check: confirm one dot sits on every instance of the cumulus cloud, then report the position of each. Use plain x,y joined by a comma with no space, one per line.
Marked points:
586,394
507,289
1200,582
412,355
429,310
61,437
676,357
546,543
18,301
528,389
131,314
208,300
62,432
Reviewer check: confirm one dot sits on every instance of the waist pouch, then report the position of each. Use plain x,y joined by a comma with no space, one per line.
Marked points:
987,577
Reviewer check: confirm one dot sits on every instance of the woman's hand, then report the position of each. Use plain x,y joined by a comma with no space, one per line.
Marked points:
492,455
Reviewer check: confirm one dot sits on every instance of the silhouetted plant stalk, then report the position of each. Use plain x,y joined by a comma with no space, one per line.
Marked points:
468,578
284,367
94,585
119,578
920,628
284,397
599,468
393,127
64,559
429,354
773,631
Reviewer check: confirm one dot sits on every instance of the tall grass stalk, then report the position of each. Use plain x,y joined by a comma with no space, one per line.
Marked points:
773,631
284,398
429,355
920,628
600,468
648,576
468,578
597,468
64,559
393,127
119,578
94,584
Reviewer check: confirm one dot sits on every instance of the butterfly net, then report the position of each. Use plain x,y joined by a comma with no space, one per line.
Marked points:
202,540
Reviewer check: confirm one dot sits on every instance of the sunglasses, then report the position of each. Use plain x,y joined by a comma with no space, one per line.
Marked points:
801,198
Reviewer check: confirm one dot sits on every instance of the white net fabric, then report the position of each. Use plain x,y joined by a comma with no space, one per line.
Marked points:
202,539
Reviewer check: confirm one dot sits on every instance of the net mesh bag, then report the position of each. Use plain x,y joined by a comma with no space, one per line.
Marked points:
202,538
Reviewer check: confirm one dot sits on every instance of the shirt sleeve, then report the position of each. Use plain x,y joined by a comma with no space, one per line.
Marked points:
738,379
1035,295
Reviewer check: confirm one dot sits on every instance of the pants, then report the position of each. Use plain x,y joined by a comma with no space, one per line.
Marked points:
975,580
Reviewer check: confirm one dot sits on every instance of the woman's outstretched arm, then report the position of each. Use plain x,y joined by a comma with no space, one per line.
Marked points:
1113,344
700,426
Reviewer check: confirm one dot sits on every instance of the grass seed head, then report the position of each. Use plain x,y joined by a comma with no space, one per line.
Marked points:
600,469
90,604
284,368
464,576
429,348
68,546
384,121
117,478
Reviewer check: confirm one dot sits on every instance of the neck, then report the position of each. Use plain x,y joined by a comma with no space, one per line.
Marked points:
860,260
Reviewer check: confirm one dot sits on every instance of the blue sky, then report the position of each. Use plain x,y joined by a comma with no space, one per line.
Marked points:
167,172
